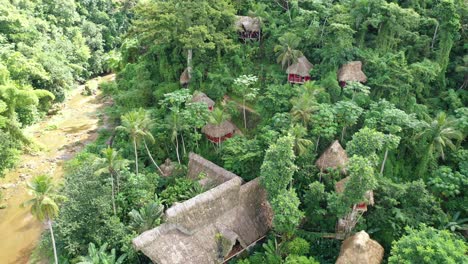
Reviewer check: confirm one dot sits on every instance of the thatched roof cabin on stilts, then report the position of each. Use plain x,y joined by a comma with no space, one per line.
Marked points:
219,133
359,249
334,157
298,72
248,27
351,72
368,197
185,78
199,97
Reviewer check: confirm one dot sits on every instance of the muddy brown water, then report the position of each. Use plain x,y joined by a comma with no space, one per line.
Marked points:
60,137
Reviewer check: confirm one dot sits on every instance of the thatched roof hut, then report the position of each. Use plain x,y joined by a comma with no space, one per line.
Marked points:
219,133
301,67
369,196
333,157
185,77
233,213
359,249
351,72
247,24
199,97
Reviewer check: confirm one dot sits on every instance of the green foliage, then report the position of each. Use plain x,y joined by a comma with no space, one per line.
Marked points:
287,215
298,246
366,143
100,256
428,245
242,156
278,167
148,217
182,189
447,183
401,204
294,259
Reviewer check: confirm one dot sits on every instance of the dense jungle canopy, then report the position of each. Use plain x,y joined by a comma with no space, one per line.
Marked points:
387,79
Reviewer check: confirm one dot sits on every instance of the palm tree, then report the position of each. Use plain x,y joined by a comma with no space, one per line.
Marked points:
137,124
217,117
440,134
305,103
43,204
174,124
300,143
111,164
286,50
100,256
147,217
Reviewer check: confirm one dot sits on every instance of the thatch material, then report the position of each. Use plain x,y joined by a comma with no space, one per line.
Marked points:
219,131
215,175
352,72
247,24
200,97
333,157
192,230
360,249
185,77
341,185
301,67
168,167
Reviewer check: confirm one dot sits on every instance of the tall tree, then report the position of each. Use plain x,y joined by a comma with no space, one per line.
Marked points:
278,166
191,25
44,203
137,124
439,134
111,164
243,86
347,114
287,49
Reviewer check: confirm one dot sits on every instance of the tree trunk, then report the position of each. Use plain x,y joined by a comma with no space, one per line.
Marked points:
151,157
136,155
383,162
245,118
318,141
189,62
49,222
343,132
183,143
435,35
113,194
177,148
196,141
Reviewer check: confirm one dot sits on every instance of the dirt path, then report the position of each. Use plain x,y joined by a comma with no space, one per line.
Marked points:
60,136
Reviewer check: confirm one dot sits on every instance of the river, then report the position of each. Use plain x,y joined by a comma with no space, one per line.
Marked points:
60,137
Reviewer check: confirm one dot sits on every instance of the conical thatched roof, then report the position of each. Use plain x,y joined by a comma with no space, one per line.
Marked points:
333,157
246,23
203,98
185,77
352,72
340,187
360,249
301,67
217,131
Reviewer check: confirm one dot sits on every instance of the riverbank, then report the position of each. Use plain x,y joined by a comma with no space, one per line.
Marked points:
60,137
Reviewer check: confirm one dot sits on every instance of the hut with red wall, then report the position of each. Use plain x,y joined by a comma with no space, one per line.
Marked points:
219,133
299,71
351,72
248,28
199,97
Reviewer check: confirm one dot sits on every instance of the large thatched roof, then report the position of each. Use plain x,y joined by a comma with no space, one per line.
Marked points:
360,249
185,77
301,67
334,157
246,23
341,185
199,97
231,212
352,72
217,131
